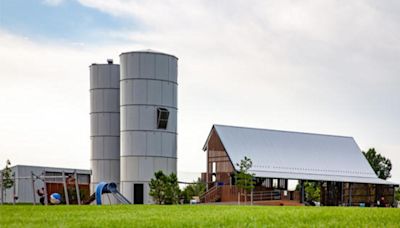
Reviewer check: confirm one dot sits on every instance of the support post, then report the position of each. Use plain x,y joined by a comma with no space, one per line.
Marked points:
237,189
33,188
1,188
350,200
394,196
245,193
46,199
207,174
341,193
251,197
14,190
65,188
78,195
302,191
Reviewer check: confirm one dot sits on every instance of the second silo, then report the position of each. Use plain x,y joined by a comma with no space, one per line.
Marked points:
148,120
105,123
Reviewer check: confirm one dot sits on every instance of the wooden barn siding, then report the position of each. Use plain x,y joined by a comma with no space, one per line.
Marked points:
216,153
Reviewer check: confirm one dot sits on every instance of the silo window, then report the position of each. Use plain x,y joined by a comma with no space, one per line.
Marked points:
162,118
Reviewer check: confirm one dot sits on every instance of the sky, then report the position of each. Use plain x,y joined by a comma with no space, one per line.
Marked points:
324,66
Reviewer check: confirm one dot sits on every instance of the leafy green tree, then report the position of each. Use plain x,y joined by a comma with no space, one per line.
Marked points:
8,181
195,189
312,191
381,165
245,180
172,190
397,194
164,189
157,187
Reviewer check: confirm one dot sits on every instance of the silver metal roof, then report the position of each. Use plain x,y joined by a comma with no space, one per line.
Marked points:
297,155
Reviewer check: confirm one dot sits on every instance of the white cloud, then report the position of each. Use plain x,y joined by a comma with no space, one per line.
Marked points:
44,100
326,66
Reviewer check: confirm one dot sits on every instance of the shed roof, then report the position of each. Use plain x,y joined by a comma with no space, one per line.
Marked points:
35,168
298,155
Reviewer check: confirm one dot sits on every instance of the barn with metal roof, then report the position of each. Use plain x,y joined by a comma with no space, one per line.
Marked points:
335,163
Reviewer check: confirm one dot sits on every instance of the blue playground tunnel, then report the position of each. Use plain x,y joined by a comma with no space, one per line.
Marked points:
104,188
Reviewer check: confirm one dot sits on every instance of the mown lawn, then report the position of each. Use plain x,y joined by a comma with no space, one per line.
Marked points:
196,216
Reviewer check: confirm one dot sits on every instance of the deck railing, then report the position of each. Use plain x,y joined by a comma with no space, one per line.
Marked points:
230,193
267,195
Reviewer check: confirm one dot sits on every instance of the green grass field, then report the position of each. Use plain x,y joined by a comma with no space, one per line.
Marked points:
196,216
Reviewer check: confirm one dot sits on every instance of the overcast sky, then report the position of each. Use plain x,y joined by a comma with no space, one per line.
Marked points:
313,66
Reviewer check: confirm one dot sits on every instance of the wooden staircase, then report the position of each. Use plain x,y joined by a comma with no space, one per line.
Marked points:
212,195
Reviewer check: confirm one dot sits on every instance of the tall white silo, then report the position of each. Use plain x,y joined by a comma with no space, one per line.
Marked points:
105,123
148,120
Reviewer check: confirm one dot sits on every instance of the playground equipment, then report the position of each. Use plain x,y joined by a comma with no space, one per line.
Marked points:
103,188
55,198
33,177
66,179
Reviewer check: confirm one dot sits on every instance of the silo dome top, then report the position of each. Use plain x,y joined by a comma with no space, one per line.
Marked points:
149,51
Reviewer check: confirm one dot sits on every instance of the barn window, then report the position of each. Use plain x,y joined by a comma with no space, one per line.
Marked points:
275,183
267,183
282,183
162,118
214,167
53,177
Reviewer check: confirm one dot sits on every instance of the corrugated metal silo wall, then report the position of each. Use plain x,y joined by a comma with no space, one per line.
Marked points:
148,82
105,123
